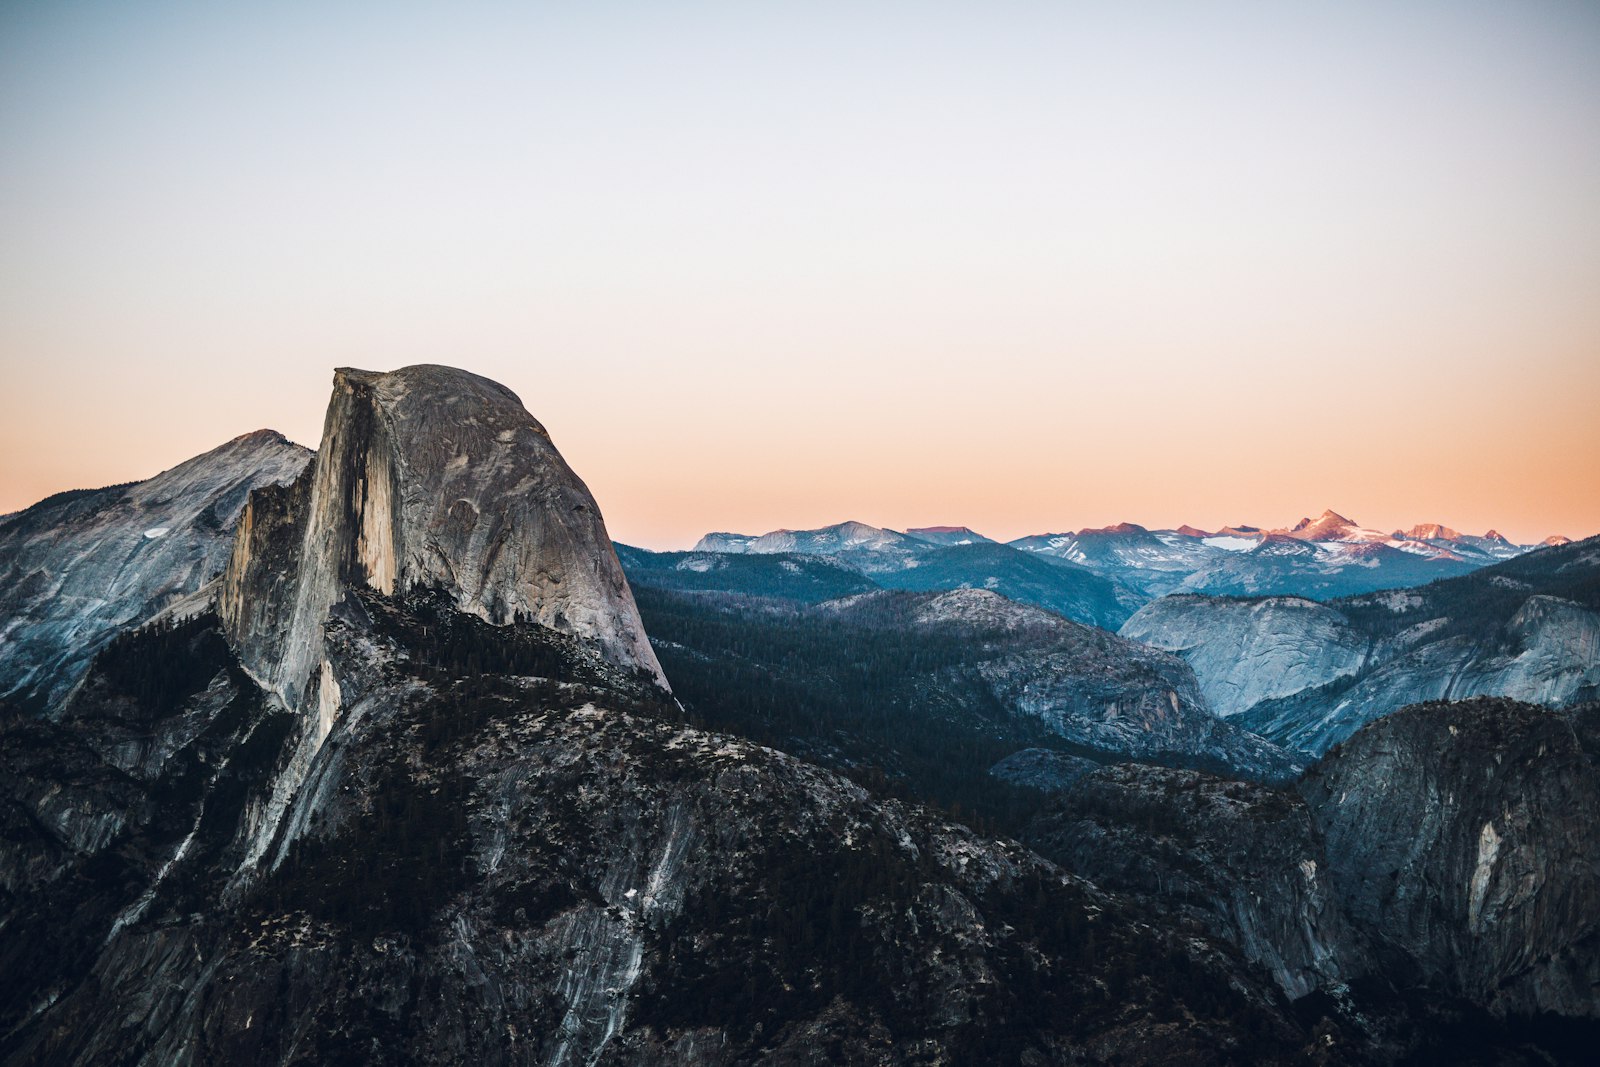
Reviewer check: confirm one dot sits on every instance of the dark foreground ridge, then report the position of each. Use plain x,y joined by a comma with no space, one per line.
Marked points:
508,850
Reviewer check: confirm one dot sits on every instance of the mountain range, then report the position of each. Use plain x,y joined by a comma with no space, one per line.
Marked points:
387,754
1320,558
1308,674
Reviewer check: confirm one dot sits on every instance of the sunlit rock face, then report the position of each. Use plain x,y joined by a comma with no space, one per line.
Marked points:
1464,837
427,477
80,566
1244,652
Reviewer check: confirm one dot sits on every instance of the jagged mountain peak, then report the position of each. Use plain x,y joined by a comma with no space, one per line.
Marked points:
1329,524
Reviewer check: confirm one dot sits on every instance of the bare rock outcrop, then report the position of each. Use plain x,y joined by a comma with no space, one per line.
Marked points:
80,566
1463,836
1308,675
427,477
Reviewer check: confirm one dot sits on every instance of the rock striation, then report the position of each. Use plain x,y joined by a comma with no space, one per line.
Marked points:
77,568
1244,652
1449,851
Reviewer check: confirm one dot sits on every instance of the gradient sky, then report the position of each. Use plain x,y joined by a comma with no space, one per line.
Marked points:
1024,266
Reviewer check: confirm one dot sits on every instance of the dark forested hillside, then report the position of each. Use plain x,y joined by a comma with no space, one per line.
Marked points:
784,575
885,687
1056,585
1053,584
843,695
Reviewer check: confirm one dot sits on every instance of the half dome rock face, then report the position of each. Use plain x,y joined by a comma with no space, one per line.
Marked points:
428,477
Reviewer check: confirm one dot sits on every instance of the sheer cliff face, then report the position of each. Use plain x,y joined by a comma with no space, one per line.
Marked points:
78,567
427,477
1463,836
1247,651
1450,848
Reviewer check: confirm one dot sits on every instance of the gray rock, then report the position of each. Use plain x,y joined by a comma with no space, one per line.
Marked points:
869,548
427,476
1243,860
512,868
1087,686
1466,838
79,567
1309,675
1450,847
1244,652
1043,769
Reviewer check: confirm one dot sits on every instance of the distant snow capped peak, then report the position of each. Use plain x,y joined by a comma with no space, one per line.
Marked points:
1191,531
1326,526
1332,526
1556,539
1428,531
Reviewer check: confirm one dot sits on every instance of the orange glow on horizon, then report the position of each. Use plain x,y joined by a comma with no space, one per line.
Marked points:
1030,268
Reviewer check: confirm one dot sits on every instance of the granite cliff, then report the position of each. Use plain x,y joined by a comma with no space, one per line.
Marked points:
1307,675
77,568
1448,853
426,477
405,784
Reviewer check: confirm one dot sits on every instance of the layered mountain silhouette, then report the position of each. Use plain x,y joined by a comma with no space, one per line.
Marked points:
1321,558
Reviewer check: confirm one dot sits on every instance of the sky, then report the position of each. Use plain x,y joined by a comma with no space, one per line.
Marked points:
1021,266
